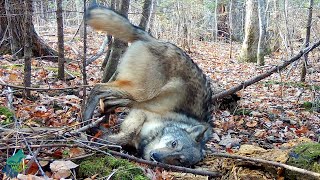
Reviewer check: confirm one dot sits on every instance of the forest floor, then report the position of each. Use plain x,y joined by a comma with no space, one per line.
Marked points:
271,114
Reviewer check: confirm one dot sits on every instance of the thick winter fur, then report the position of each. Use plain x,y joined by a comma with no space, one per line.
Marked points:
168,94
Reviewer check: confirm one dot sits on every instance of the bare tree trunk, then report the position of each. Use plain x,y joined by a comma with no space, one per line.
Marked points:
236,19
230,27
185,36
84,59
275,35
118,48
13,37
111,40
145,14
14,34
288,34
27,45
307,41
216,21
250,42
152,15
262,32
60,40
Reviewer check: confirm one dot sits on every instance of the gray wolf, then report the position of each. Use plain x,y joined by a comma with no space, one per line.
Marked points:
168,94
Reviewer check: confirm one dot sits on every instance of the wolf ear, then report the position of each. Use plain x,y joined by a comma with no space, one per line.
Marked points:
197,132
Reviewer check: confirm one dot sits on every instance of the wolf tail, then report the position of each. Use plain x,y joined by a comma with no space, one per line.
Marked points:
104,19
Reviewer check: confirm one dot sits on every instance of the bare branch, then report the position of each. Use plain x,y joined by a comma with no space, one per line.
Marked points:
106,42
264,75
277,164
42,89
166,166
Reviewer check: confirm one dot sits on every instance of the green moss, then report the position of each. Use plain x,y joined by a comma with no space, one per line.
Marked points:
106,165
245,112
8,115
311,106
307,105
12,66
292,84
21,66
304,156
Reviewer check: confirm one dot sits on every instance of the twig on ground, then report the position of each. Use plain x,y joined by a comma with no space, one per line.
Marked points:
93,124
277,164
42,89
166,166
266,74
4,147
18,126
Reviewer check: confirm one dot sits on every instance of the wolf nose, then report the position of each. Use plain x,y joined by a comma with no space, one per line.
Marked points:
155,156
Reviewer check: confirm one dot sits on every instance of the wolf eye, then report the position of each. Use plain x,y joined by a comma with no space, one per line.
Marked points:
174,144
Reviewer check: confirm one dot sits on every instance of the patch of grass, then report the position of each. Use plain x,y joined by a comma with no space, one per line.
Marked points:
12,66
21,66
311,106
292,84
7,114
106,165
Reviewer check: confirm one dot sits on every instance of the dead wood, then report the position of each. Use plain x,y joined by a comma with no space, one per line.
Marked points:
262,161
266,74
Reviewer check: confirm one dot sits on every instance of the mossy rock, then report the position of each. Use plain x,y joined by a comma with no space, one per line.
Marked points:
305,156
8,115
104,166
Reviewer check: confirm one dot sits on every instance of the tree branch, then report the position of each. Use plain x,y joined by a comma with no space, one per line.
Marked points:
42,89
264,75
277,164
166,166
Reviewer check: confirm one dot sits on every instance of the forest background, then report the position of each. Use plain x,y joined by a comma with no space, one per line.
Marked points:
46,71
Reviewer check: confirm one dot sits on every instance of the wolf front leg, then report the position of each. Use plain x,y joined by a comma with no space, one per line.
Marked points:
130,128
102,91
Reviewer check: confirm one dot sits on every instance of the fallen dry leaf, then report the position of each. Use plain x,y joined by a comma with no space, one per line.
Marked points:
61,169
251,124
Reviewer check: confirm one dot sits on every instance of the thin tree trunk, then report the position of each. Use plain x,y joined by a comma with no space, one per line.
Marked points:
230,27
152,15
250,42
145,14
287,36
216,21
84,60
118,48
236,19
274,42
14,23
13,37
262,32
113,5
111,41
307,41
60,40
27,45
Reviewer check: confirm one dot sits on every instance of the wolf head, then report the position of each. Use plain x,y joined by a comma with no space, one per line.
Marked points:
178,146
